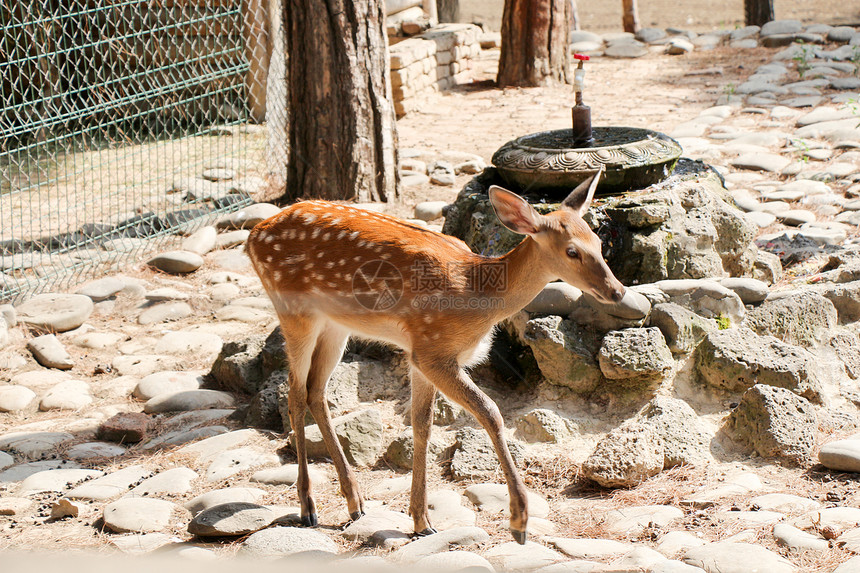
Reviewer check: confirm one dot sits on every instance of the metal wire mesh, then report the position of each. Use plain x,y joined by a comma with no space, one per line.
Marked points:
112,112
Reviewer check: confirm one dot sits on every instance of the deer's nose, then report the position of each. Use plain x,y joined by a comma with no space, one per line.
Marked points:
618,295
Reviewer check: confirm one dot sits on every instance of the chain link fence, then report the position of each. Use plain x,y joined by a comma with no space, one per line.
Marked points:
126,123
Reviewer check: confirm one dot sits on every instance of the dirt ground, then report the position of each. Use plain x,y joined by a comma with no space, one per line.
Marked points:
655,91
697,15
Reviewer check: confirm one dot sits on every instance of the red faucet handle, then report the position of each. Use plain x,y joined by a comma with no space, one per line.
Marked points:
581,57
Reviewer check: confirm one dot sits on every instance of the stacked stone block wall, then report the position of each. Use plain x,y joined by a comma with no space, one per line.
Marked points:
431,62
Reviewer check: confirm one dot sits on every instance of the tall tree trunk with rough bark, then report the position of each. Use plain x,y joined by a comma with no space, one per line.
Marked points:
448,10
535,43
758,12
630,19
341,125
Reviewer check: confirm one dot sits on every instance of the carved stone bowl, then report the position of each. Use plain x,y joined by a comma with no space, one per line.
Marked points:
547,161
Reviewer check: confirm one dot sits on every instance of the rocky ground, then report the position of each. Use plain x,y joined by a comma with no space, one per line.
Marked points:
706,423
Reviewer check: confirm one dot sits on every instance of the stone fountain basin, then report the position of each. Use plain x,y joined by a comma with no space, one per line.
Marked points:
634,158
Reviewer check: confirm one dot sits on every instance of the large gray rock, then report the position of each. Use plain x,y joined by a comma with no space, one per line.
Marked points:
629,49
402,449
379,523
555,298
475,457
138,515
284,541
32,444
68,395
230,462
706,298
165,312
686,438
781,27
50,352
201,241
227,495
683,228
626,456
542,425
845,298
726,557
512,556
776,423
750,291
55,312
736,359
239,366
231,520
188,400
54,480
111,485
803,319
495,498
682,329
841,455
175,481
359,433
635,354
564,352
165,382
176,262
439,542
248,217
102,289
15,398
632,521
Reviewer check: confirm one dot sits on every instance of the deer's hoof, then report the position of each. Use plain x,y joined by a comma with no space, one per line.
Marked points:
519,536
310,520
356,515
426,532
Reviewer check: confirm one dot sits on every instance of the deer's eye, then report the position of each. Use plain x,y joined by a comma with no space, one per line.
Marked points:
572,253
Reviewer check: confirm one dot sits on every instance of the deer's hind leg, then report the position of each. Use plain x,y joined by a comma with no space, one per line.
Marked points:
328,351
300,337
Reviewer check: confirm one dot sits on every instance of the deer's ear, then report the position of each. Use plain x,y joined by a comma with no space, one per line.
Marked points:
514,212
580,198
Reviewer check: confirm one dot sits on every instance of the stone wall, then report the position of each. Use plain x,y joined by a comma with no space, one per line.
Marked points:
431,62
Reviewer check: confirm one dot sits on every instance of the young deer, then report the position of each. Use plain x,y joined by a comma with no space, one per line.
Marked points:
332,270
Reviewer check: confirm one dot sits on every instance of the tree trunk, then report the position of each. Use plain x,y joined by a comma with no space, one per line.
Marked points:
448,10
342,137
758,12
535,43
574,16
630,20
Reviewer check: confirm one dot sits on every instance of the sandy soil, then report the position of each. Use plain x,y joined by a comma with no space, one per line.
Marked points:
698,15
653,91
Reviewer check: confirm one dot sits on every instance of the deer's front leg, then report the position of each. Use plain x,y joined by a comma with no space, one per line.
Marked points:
453,381
423,397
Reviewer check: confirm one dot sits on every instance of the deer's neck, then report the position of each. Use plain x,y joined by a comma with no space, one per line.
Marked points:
525,276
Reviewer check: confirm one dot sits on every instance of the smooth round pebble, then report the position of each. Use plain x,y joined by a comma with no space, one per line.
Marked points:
222,496
138,515
167,382
89,450
55,312
188,400
16,398
164,312
231,519
841,455
176,262
284,541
